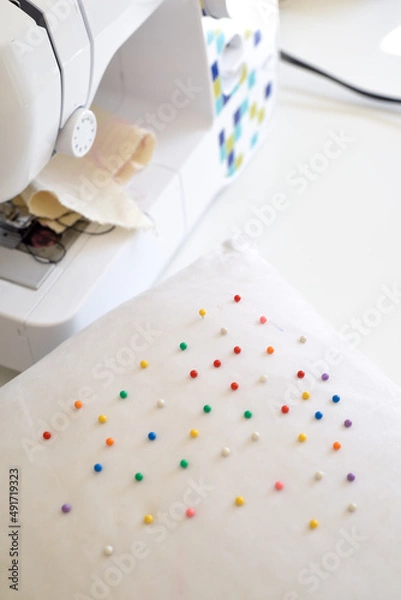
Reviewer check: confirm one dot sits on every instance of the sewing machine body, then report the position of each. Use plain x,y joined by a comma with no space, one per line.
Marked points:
207,92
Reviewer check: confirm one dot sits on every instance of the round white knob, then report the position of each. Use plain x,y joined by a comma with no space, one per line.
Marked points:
78,134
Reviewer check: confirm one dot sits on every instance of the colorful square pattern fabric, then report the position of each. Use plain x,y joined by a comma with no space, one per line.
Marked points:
242,113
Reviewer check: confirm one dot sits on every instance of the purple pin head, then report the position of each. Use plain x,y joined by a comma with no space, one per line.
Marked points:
351,477
347,423
66,508
325,376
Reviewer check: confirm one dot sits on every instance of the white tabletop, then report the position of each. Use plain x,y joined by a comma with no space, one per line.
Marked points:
338,237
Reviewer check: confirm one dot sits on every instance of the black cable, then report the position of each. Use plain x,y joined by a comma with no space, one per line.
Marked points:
74,227
62,249
296,62
60,245
92,233
78,230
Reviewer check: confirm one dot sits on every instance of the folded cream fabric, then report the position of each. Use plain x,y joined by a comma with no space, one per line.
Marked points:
92,186
65,222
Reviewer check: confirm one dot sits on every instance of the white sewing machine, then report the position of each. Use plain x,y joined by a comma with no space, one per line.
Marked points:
205,86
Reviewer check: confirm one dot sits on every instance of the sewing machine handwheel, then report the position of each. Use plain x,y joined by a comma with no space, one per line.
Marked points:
78,134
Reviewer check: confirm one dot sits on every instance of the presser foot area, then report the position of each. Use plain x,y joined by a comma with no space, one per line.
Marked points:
28,249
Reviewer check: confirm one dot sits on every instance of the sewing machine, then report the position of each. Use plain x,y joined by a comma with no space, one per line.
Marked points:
205,86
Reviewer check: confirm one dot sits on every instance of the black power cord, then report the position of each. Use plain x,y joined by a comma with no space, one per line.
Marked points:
296,62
